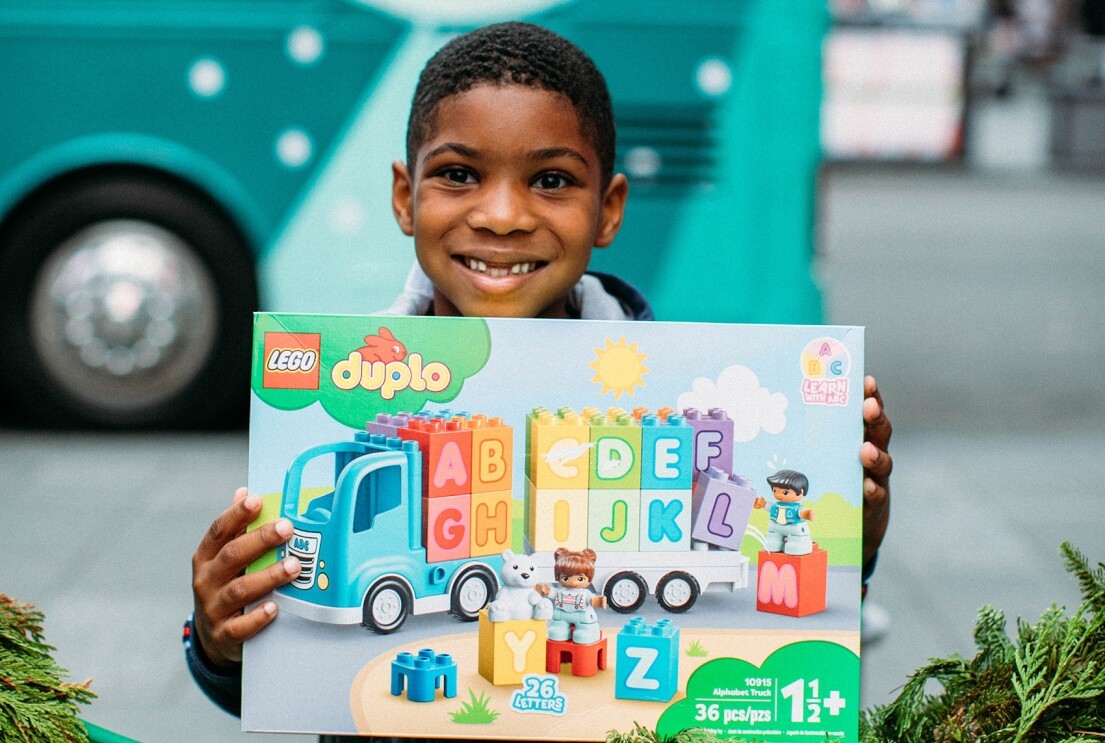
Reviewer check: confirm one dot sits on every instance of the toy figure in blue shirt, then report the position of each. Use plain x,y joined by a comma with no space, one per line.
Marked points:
787,529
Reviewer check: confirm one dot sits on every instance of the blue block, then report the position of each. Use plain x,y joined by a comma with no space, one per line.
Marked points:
667,453
423,675
647,661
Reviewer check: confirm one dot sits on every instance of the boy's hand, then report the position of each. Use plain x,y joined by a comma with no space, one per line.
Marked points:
877,465
221,590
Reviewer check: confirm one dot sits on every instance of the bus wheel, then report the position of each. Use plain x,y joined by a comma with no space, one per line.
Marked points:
625,592
386,606
677,591
127,302
471,593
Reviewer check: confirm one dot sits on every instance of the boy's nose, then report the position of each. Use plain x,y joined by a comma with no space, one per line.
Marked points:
503,208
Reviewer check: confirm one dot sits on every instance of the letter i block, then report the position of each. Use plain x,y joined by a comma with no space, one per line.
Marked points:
559,452
509,650
667,453
647,661
492,454
665,520
446,527
491,522
615,453
721,505
423,675
613,520
556,518
792,585
446,456
713,439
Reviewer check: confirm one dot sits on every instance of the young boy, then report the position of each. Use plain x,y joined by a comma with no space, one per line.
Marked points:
507,188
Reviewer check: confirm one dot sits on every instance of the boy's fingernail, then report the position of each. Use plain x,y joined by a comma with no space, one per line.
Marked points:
868,486
269,607
252,502
284,528
291,565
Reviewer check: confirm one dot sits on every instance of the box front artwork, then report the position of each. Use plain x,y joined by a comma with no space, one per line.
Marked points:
547,530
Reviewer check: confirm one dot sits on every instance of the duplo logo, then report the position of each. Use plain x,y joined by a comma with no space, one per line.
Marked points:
383,364
291,361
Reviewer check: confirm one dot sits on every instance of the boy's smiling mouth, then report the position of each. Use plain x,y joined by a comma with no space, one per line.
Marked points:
499,270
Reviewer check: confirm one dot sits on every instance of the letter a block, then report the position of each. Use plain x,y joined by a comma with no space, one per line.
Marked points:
721,505
792,585
509,650
647,661
446,527
446,448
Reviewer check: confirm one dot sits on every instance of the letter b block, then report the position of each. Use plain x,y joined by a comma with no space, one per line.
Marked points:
647,665
792,585
492,454
721,505
509,650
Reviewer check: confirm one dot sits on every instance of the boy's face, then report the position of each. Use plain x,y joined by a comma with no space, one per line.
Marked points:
505,202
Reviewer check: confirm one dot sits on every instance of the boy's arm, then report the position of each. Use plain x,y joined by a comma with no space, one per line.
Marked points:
877,465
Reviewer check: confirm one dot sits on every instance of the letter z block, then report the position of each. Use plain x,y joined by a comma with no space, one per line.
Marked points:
647,661
446,448
792,585
492,454
510,650
447,527
721,505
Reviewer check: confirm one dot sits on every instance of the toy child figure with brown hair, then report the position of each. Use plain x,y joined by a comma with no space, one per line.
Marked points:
573,601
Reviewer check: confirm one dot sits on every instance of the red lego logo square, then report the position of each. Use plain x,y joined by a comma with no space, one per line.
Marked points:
291,361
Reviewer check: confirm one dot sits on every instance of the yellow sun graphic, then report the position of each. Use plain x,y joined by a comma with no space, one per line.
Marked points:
619,367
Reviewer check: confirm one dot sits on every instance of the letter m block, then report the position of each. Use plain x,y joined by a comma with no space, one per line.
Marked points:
792,585
509,650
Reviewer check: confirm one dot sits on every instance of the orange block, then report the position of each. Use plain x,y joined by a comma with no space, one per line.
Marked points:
492,454
491,522
792,585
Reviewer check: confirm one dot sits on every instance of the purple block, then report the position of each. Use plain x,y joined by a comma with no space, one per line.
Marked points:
713,439
721,505
388,425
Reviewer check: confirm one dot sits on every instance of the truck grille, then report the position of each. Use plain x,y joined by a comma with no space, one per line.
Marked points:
304,546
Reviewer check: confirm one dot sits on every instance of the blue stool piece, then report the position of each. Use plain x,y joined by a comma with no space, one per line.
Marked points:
423,674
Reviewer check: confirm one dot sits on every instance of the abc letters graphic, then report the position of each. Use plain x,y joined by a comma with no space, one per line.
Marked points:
291,361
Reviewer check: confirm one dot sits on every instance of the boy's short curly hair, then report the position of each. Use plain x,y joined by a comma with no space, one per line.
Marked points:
515,53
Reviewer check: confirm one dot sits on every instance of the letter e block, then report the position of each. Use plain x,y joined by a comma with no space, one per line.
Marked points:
446,527
792,585
509,650
647,661
491,522
667,453
721,505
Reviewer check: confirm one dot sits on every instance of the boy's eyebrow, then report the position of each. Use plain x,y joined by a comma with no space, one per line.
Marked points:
548,153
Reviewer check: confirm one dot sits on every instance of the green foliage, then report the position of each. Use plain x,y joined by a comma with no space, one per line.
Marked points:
641,734
475,711
1046,685
695,650
36,706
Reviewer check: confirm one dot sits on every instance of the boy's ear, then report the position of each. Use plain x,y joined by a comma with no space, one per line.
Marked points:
402,197
613,210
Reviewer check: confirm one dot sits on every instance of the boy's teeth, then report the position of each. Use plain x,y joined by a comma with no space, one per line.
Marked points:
496,272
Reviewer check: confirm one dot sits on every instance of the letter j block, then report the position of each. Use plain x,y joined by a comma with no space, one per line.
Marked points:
647,661
792,585
509,650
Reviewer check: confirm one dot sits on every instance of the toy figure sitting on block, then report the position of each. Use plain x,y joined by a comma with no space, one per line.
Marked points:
573,601
787,530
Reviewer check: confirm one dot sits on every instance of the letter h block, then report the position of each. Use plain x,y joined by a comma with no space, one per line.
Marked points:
509,650
792,585
492,454
721,505
647,661
713,439
446,455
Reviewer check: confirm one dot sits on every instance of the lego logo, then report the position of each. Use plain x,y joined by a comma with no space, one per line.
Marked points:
293,360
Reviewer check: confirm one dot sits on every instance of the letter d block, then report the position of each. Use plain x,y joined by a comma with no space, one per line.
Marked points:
446,448
446,527
792,585
615,460
647,661
491,522
721,505
509,650
492,454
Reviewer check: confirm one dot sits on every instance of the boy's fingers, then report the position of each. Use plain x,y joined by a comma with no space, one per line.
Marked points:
229,524
244,590
236,555
877,426
875,461
227,637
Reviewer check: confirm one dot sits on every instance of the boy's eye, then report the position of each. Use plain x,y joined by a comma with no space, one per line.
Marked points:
551,181
458,175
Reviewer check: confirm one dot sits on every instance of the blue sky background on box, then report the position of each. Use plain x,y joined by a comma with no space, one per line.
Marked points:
548,363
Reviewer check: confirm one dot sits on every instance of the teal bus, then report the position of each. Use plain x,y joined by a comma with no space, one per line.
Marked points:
170,166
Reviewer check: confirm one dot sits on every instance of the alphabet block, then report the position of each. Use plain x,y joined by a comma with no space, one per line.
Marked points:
446,455
559,452
713,439
586,660
615,459
510,650
792,585
721,505
665,520
556,518
613,520
446,527
647,661
667,453
492,454
388,425
491,522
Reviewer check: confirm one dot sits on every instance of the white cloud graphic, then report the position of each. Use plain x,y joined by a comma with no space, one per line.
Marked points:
737,391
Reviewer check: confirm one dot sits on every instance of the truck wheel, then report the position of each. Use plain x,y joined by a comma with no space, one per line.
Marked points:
471,593
677,591
625,592
126,303
386,606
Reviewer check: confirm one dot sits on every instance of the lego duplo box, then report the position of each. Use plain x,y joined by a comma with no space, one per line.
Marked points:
509,650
